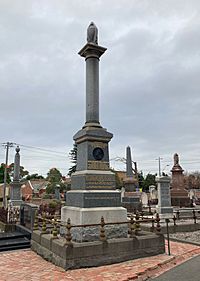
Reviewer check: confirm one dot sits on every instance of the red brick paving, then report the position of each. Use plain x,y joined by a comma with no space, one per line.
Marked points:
25,265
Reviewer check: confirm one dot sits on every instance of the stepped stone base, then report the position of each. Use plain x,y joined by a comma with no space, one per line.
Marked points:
90,254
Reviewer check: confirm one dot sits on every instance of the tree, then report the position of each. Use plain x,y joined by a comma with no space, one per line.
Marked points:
145,182
34,177
73,157
141,180
149,180
54,178
2,169
22,174
192,180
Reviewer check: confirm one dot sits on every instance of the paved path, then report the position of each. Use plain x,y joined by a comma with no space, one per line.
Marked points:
187,271
25,265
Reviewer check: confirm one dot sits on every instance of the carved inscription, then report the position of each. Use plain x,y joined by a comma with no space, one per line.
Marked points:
96,165
98,144
100,181
100,198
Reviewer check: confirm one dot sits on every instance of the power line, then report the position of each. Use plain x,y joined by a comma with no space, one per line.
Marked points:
42,149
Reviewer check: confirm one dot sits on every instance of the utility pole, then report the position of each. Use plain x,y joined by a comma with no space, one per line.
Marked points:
7,146
159,165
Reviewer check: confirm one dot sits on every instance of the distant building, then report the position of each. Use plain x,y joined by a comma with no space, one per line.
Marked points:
33,188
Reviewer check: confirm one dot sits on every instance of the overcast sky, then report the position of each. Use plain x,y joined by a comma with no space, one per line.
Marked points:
149,79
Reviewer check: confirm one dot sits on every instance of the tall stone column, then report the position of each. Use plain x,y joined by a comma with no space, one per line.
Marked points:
93,189
15,192
92,53
17,165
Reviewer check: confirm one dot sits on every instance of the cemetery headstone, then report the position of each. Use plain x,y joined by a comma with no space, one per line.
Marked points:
164,199
179,196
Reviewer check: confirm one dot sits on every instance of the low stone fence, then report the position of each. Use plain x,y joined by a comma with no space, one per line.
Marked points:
180,222
64,252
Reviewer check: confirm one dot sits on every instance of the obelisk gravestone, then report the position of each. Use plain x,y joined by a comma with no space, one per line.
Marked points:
131,198
93,192
15,194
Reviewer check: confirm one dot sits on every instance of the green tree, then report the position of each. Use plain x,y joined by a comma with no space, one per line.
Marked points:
149,180
141,180
23,172
34,177
2,169
54,178
73,158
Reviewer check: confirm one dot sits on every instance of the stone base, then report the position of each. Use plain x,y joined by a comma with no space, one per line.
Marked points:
16,203
85,216
90,254
164,210
130,184
93,198
131,201
180,198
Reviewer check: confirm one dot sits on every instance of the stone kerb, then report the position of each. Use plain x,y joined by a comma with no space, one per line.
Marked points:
96,253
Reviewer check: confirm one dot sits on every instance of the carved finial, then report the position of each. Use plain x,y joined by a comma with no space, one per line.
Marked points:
176,159
92,34
17,149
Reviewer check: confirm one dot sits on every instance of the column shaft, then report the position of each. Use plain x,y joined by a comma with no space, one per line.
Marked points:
92,90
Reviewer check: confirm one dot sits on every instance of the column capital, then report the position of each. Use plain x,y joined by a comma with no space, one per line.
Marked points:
92,50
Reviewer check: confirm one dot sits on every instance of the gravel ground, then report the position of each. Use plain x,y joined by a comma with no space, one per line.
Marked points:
193,237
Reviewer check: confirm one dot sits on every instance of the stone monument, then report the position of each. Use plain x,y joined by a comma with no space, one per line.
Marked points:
131,198
93,193
130,181
179,196
164,199
15,192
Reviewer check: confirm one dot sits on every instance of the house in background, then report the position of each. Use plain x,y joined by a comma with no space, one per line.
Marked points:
33,188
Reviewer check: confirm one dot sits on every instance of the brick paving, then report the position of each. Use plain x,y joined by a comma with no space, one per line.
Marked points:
25,265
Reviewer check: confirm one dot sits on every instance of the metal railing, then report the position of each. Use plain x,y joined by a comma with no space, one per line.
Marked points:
134,226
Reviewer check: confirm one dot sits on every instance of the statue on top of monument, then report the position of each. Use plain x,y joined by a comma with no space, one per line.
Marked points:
92,34
176,159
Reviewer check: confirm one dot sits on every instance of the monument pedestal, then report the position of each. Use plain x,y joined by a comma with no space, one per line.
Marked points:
130,184
180,198
132,201
86,216
15,194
